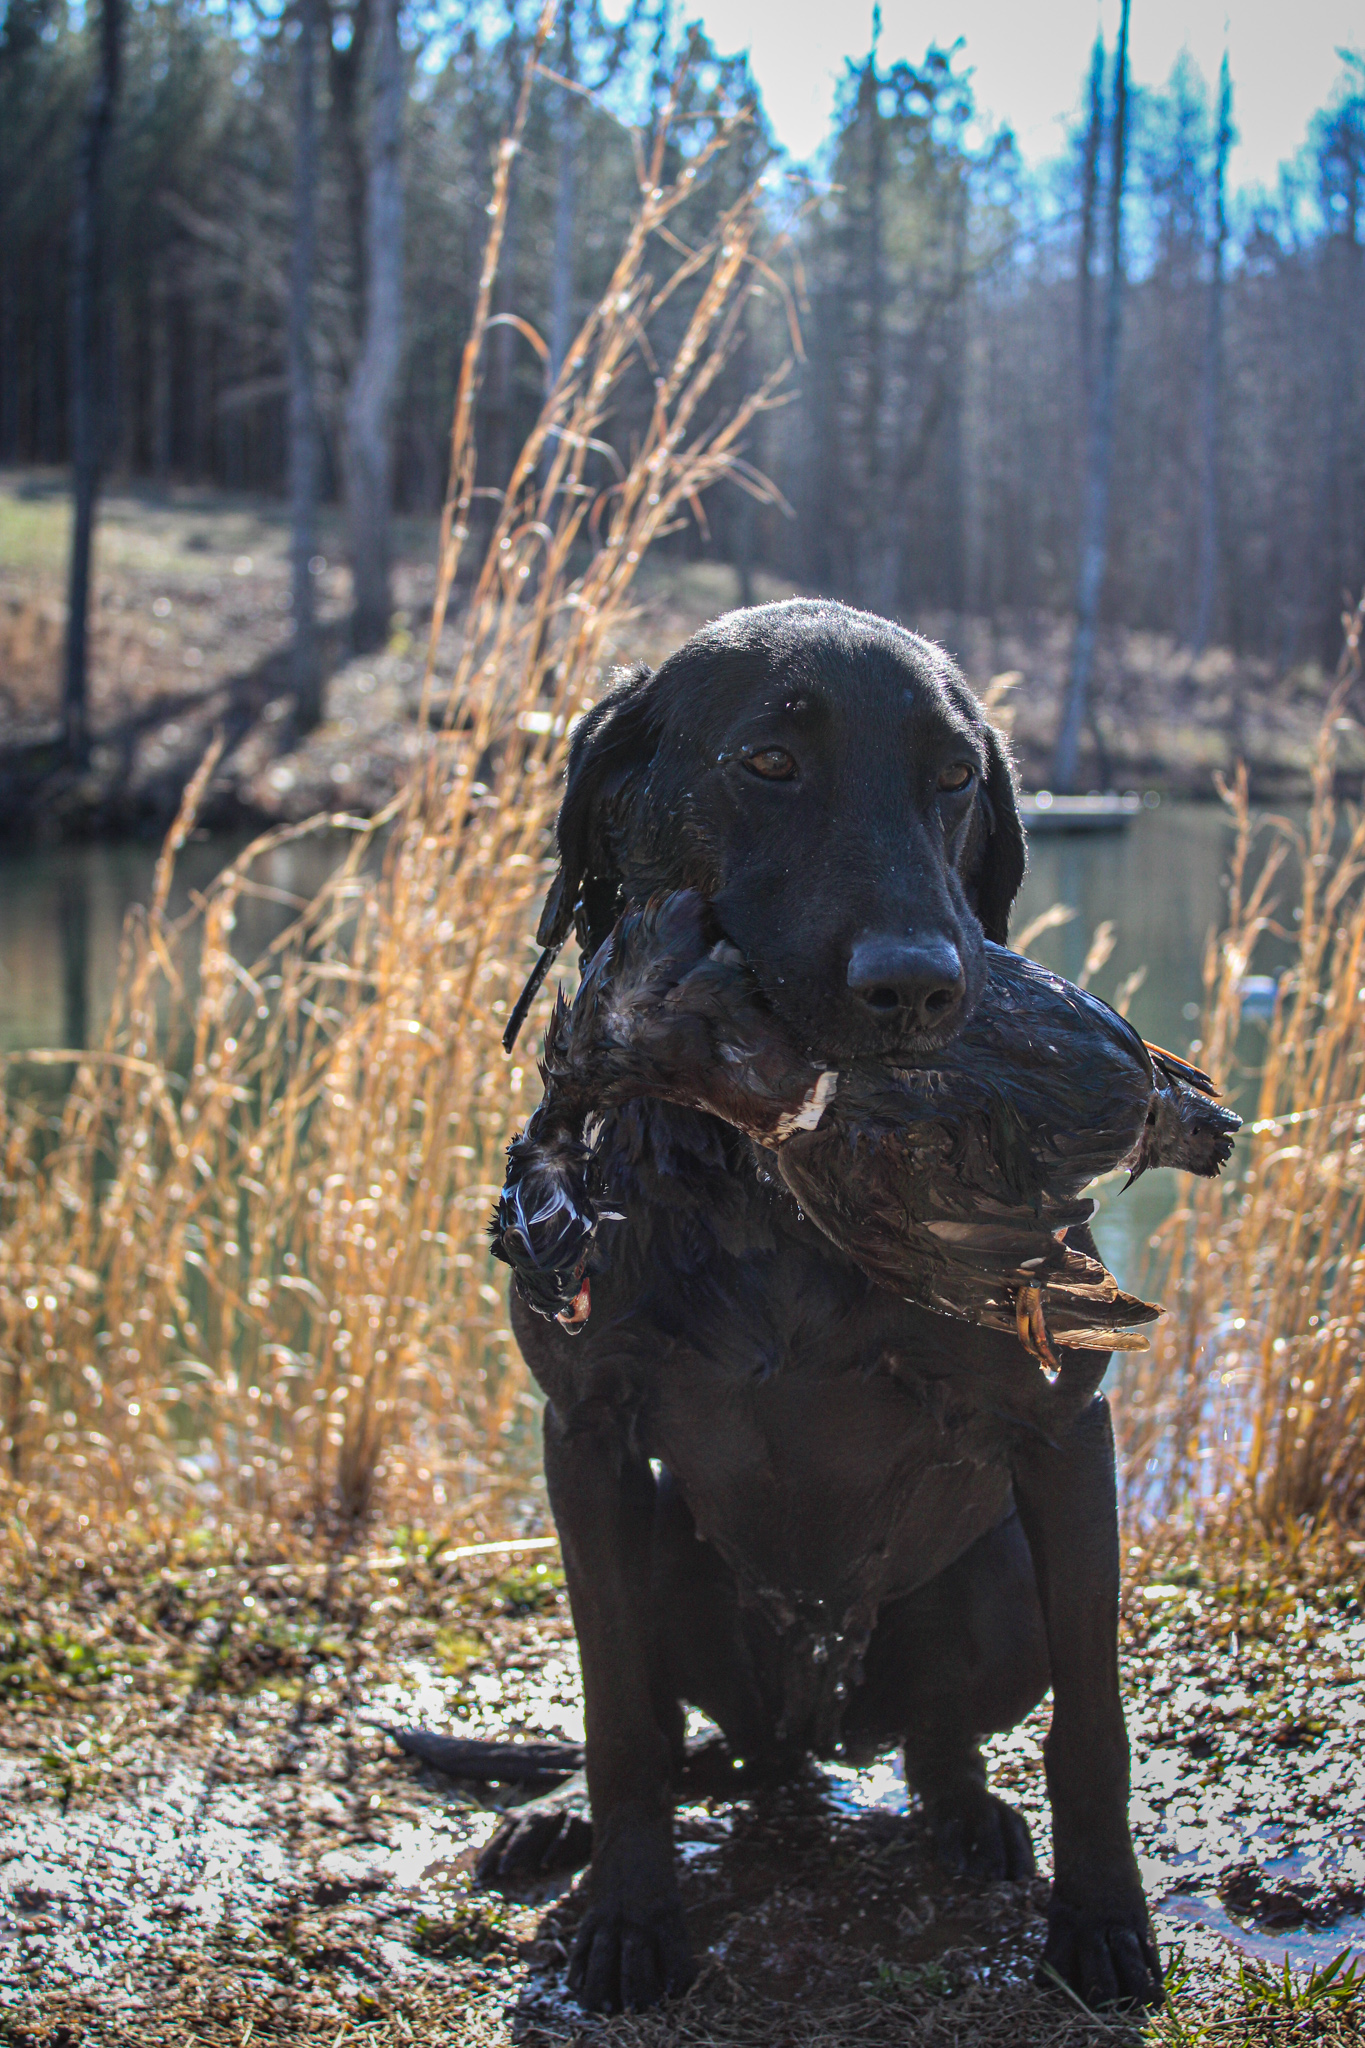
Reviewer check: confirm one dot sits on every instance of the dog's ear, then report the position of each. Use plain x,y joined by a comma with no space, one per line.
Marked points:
1003,856
614,741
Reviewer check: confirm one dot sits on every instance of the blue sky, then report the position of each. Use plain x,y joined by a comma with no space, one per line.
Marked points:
1028,61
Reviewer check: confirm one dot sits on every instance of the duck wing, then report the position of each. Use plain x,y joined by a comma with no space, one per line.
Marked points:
929,1204
670,1009
666,1009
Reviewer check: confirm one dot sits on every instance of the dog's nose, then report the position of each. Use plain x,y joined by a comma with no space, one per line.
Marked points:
914,982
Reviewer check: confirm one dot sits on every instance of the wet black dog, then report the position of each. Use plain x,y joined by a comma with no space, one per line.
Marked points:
830,1519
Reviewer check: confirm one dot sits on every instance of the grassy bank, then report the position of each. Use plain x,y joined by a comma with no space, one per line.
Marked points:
190,636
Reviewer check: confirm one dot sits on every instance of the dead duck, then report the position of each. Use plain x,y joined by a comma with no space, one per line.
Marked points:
953,1181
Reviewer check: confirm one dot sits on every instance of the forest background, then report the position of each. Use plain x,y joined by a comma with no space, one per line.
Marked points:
953,304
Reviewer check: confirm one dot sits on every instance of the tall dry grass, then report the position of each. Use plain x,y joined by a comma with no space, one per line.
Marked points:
1252,1397
244,1270
247,1268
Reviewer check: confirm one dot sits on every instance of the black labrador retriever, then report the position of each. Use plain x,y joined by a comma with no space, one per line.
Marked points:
832,1520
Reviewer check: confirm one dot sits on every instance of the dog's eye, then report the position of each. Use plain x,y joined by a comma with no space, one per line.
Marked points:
956,777
774,764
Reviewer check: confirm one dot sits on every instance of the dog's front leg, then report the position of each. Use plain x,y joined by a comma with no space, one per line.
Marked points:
1099,1936
632,1947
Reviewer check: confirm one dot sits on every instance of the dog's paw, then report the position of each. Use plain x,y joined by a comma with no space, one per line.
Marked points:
534,1843
978,1836
1105,1958
630,1954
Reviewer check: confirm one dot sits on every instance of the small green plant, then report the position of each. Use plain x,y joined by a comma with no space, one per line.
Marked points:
930,1980
529,1589
1260,2006
1334,1987
473,1927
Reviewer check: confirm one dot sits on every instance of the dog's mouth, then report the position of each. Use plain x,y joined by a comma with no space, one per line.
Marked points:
923,1048
844,1048
830,1034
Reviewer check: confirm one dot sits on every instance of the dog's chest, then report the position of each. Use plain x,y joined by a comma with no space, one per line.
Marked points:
824,1433
828,1490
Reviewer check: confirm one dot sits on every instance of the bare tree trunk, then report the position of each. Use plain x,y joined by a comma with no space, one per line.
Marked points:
744,552
824,561
9,353
1100,452
1206,588
874,569
161,378
1090,185
49,433
303,419
370,401
347,69
89,267
500,389
1330,565
561,275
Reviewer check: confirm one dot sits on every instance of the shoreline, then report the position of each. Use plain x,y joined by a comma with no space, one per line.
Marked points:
189,638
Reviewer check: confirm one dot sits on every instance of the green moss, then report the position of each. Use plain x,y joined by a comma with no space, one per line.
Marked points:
37,1660
457,1650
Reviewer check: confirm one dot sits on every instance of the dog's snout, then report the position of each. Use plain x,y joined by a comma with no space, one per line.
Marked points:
908,982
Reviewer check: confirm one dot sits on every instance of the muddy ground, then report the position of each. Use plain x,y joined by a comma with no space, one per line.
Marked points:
190,631
207,1838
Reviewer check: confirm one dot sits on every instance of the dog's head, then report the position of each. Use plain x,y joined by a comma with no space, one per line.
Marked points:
828,780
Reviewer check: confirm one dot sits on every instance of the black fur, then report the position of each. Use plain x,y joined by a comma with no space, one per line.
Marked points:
906,1531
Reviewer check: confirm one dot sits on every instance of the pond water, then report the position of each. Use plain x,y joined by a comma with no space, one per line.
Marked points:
1162,886
1160,883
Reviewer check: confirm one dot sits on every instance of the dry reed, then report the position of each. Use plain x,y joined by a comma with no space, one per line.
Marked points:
246,1268
1252,1399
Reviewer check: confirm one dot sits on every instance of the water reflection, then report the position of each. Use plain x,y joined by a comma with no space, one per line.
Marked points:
62,911
1161,884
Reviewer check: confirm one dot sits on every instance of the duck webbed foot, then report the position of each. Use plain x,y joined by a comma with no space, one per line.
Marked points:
1081,1307
546,1218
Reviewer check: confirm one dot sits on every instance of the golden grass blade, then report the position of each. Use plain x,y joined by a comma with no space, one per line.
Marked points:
1252,1399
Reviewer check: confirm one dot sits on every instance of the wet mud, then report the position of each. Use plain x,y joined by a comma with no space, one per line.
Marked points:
206,1837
